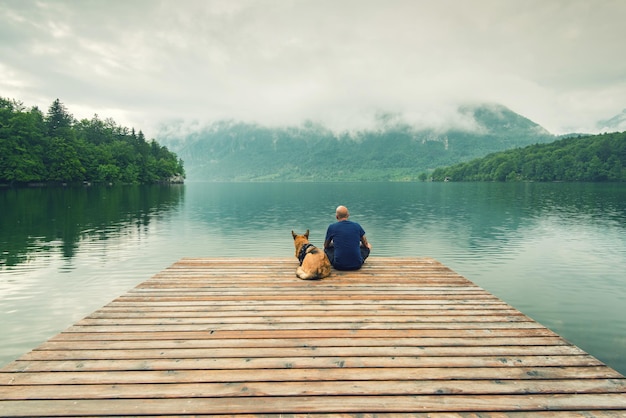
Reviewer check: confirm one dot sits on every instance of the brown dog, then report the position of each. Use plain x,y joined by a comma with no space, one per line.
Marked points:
313,262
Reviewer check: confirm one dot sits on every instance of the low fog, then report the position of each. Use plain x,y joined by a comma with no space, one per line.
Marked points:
345,64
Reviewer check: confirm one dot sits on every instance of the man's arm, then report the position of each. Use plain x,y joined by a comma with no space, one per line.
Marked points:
328,240
364,241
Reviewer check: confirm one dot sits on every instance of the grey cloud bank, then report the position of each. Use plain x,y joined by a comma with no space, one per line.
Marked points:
341,63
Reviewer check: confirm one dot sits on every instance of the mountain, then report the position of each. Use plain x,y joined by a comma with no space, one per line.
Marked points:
395,150
616,124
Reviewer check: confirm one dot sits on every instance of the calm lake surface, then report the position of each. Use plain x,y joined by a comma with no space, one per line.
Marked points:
556,251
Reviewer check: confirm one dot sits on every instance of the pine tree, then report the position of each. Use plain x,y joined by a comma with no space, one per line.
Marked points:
58,119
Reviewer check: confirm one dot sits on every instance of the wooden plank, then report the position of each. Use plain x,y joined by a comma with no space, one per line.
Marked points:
271,304
314,404
79,354
323,388
287,373
164,340
309,350
245,337
303,317
202,362
319,308
291,330
157,325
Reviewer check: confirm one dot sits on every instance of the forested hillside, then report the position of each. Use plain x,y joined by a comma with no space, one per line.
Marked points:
38,148
237,151
584,158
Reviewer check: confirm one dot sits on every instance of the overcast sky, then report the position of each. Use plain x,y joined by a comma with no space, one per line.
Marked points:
561,63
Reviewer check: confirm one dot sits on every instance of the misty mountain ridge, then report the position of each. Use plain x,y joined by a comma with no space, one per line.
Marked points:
391,149
615,124
479,119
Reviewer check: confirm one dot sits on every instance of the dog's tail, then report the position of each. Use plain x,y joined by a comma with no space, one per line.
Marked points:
321,272
307,276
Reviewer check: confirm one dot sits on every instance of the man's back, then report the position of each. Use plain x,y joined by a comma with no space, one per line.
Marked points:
346,237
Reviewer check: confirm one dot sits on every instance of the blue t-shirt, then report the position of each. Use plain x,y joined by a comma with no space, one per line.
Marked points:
346,236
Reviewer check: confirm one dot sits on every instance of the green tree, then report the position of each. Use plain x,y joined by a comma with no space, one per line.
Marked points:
21,143
590,158
63,162
58,120
55,147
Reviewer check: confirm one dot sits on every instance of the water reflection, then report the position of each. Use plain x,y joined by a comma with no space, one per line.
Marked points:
405,219
38,221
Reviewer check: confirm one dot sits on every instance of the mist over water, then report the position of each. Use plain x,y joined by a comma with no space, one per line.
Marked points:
557,252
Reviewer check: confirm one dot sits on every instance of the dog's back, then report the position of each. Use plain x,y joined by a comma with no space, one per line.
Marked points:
314,263
314,266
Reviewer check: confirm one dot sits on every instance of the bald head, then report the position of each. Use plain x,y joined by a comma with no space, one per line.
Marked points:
342,212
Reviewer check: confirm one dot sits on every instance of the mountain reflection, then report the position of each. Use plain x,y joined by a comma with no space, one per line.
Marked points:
35,220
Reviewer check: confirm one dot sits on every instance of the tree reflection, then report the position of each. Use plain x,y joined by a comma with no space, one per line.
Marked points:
35,220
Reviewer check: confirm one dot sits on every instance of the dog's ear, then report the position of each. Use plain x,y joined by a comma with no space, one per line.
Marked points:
293,234
306,234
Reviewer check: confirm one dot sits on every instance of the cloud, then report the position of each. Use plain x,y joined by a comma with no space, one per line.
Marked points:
144,62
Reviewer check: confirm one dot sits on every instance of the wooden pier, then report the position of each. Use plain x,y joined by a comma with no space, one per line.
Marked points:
246,337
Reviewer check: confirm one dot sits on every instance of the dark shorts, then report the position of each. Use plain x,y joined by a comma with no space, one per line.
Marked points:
330,253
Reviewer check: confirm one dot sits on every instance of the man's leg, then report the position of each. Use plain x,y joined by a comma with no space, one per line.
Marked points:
365,252
330,253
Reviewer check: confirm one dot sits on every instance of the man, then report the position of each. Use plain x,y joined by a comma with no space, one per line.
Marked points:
346,245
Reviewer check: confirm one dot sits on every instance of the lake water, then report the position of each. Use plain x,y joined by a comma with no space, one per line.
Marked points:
557,251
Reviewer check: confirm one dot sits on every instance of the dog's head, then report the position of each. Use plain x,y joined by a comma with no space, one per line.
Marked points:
300,240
